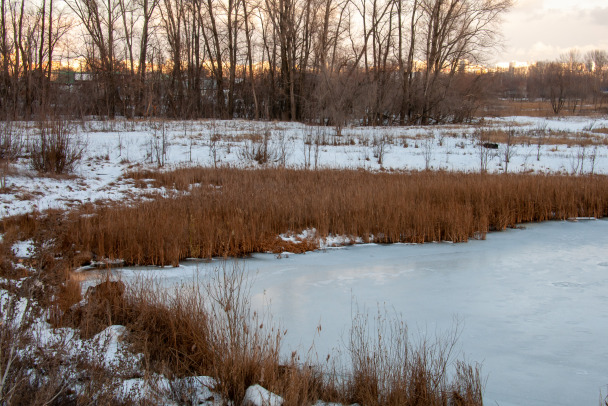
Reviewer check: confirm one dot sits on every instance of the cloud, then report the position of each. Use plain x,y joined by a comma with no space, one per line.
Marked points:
528,5
532,32
600,16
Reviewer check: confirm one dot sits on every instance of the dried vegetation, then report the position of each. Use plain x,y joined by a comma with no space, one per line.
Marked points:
231,212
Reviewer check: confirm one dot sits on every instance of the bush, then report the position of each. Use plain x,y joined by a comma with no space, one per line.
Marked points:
57,150
260,150
11,143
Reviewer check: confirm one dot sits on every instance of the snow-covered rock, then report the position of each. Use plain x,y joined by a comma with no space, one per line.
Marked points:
258,396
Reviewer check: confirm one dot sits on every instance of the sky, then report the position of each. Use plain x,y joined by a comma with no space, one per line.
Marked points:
536,30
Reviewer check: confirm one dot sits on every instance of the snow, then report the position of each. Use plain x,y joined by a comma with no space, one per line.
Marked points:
157,387
258,396
23,249
530,302
115,147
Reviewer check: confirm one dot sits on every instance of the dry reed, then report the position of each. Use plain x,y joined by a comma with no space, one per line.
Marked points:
237,212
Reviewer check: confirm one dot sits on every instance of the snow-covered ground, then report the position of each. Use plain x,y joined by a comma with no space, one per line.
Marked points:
531,303
113,147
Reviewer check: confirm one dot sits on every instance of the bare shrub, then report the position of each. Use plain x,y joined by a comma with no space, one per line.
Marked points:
15,334
245,344
282,147
481,137
427,150
540,134
308,144
318,141
11,142
593,158
207,328
579,155
4,171
314,138
158,143
214,140
41,368
57,150
508,149
259,149
380,144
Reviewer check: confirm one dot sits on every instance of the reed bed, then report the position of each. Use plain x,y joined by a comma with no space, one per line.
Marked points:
234,212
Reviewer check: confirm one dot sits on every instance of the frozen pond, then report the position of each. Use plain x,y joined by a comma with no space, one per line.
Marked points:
533,303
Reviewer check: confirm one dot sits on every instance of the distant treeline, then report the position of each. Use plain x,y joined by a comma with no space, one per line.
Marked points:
323,61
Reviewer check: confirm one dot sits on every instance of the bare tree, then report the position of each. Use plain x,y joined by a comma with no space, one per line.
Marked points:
597,61
100,19
556,83
248,35
322,61
454,31
174,16
380,145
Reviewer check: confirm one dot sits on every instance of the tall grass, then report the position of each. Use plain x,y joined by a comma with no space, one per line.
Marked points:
237,212
389,368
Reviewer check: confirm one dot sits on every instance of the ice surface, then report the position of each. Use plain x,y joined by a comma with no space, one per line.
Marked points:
531,303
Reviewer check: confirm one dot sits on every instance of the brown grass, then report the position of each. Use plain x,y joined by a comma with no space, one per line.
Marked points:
551,138
536,108
600,130
238,212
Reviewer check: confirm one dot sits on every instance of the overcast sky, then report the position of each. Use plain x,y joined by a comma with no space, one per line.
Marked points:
537,30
